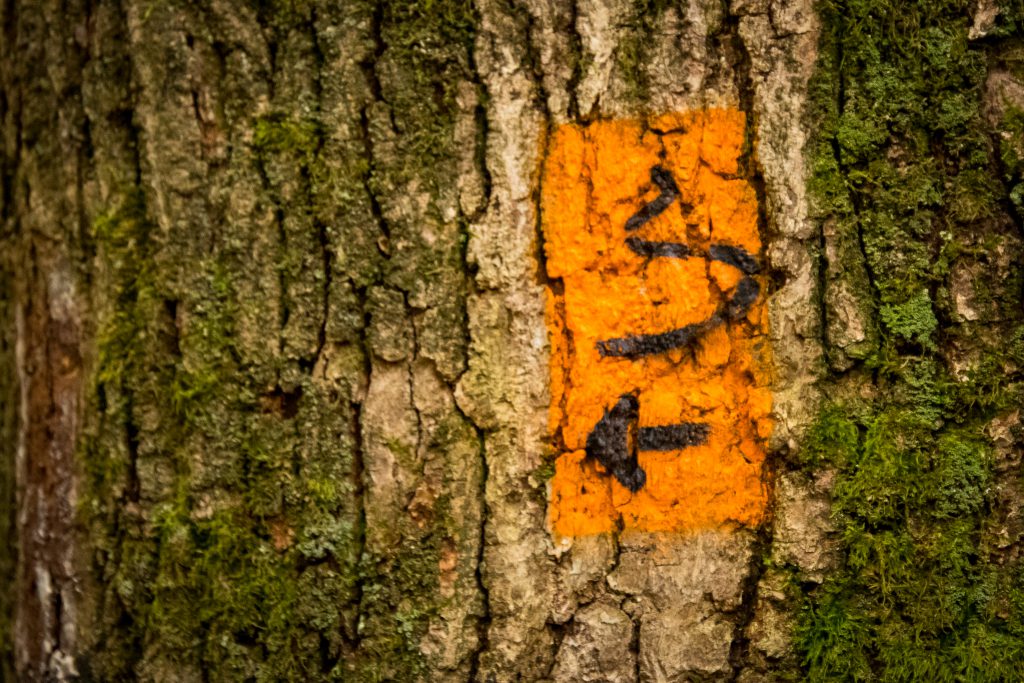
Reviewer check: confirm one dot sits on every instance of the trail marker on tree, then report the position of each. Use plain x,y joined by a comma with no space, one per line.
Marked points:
660,400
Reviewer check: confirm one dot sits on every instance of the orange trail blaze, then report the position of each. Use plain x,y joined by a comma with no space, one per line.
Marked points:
596,178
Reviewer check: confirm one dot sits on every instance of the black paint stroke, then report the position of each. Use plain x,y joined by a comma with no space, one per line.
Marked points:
737,257
673,437
649,249
743,298
615,441
640,345
669,192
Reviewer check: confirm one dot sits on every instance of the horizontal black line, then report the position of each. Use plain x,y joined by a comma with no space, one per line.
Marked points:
640,345
649,249
672,437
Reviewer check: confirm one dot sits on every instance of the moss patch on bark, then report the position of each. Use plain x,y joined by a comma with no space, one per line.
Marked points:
907,165
224,490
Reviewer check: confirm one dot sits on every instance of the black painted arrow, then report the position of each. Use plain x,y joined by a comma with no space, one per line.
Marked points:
616,439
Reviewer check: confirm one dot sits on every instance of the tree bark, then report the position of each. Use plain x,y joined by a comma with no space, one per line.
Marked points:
279,327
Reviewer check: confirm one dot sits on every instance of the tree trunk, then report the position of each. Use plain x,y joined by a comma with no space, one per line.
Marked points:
582,340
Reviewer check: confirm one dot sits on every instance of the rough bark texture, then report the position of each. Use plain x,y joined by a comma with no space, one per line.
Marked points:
915,180
274,362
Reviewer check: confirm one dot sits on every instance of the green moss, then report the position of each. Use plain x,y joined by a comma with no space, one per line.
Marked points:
210,575
959,476
544,471
913,320
1012,146
906,502
399,599
1010,20
223,485
401,596
859,137
833,637
427,48
974,195
833,438
1011,154
904,156
276,134
223,578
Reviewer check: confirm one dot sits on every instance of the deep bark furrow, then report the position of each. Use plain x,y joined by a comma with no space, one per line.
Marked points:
739,651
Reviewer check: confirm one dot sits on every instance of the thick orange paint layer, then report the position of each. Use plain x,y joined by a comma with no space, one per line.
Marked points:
595,178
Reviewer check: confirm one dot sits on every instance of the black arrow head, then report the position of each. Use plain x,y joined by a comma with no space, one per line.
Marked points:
613,443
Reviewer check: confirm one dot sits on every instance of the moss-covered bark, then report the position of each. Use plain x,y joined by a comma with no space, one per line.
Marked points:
273,364
914,180
267,252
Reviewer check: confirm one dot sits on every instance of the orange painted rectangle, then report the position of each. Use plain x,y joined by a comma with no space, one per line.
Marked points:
660,404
